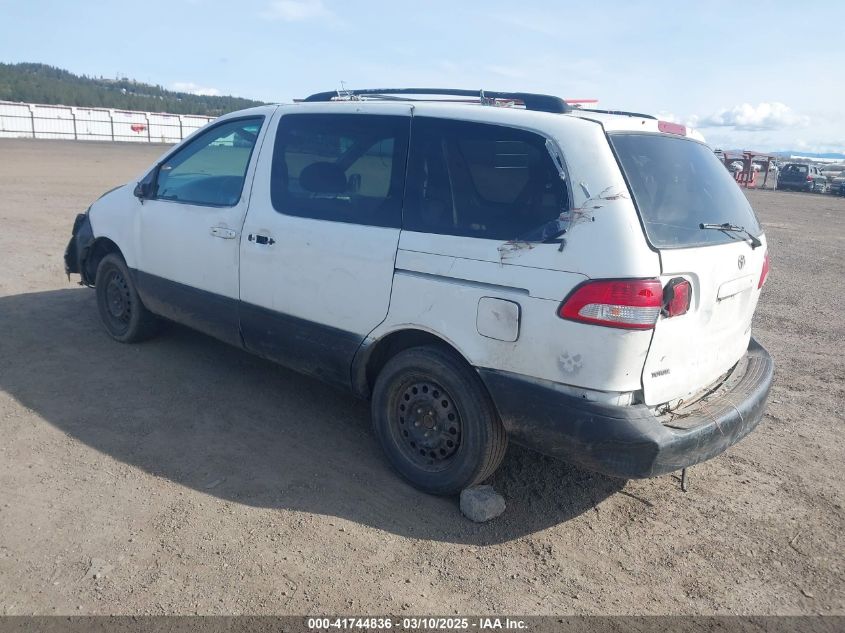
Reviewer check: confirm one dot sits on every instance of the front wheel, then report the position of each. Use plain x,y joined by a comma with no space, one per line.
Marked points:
436,422
124,316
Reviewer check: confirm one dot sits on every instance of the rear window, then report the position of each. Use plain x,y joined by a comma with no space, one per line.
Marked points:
679,184
795,169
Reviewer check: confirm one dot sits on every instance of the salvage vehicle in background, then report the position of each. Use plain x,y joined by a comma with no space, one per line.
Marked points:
801,177
837,184
578,281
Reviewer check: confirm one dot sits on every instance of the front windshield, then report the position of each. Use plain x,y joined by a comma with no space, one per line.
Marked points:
678,184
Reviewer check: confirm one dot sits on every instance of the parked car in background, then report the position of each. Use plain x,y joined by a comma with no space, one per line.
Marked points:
801,177
837,183
580,282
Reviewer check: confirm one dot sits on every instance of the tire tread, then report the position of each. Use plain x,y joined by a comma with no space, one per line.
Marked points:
145,325
474,392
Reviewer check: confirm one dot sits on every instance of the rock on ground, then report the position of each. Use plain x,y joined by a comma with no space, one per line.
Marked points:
481,503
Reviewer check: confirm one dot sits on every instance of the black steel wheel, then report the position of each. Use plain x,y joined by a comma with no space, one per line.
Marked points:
121,310
436,422
429,425
118,301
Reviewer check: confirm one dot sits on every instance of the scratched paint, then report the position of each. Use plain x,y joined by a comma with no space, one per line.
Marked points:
512,248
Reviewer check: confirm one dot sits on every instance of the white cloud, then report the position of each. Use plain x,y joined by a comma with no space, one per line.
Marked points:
192,88
823,146
297,10
764,116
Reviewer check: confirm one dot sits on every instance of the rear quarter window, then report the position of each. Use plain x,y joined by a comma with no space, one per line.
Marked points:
679,184
480,180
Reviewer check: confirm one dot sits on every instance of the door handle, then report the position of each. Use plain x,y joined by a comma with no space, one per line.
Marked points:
263,240
223,233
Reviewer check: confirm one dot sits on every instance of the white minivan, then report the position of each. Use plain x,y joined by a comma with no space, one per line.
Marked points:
480,266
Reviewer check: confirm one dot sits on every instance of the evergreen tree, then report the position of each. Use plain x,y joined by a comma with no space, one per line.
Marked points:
40,83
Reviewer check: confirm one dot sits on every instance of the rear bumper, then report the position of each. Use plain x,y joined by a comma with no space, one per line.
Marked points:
796,185
630,441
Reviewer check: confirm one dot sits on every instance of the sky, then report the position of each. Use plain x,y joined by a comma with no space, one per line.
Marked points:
765,75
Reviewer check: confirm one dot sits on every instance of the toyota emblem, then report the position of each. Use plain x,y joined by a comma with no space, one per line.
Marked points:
740,262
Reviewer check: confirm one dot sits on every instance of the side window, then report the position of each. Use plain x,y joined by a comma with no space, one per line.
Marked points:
341,167
210,170
480,180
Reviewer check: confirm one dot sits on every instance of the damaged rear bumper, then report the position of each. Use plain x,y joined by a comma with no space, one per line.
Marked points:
629,441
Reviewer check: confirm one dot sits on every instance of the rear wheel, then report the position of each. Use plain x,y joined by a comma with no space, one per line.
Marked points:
124,316
436,422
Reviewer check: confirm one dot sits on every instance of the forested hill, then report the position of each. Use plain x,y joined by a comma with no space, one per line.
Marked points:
39,83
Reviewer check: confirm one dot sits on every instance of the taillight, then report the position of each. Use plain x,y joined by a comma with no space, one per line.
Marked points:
632,304
809,178
676,297
765,272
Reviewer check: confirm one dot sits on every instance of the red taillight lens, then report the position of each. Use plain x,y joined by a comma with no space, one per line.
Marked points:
765,273
809,178
676,297
633,304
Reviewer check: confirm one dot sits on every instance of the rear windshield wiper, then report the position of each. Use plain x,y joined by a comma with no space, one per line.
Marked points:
727,227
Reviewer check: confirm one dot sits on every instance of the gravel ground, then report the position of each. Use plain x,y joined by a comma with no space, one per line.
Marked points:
184,476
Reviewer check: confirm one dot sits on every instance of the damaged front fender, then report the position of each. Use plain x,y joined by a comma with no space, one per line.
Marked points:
79,247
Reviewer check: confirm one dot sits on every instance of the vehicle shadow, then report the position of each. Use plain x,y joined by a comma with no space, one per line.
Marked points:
218,420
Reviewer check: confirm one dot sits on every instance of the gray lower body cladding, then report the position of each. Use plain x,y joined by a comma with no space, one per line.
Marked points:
629,441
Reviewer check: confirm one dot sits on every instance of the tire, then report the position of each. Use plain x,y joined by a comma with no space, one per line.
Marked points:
436,422
123,315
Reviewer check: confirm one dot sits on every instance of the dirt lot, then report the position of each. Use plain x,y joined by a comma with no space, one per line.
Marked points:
184,476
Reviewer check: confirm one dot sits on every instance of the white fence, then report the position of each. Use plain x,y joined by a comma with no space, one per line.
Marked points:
33,120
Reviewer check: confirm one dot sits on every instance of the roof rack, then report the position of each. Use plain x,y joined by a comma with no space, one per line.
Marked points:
531,101
619,112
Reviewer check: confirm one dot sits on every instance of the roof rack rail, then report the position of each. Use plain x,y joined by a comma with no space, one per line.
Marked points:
619,112
531,101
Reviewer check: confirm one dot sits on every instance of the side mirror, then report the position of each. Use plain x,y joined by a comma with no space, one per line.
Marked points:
142,190
145,189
